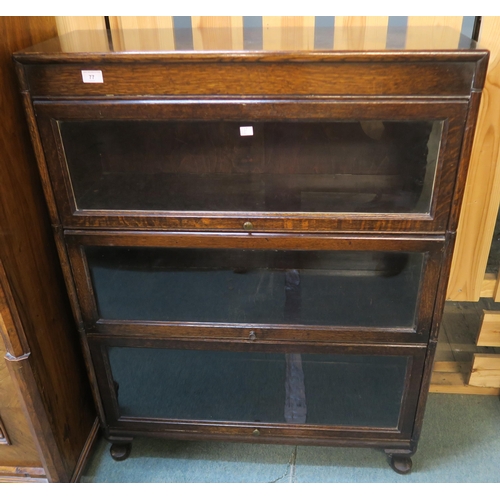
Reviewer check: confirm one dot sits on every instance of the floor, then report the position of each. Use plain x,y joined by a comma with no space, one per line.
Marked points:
460,443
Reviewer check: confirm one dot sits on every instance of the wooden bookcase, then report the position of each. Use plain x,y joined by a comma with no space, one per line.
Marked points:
256,243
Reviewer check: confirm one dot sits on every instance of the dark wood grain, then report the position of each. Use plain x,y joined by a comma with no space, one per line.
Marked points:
257,240
464,159
257,78
435,328
266,334
424,393
87,452
215,88
52,382
447,251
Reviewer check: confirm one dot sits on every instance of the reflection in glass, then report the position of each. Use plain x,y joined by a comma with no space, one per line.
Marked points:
354,288
300,166
314,389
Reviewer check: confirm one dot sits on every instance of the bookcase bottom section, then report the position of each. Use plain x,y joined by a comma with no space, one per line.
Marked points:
296,394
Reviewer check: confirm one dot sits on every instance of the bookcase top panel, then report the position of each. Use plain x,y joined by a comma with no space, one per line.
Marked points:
253,43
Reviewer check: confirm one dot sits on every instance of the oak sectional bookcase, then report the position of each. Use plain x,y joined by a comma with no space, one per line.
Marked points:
256,243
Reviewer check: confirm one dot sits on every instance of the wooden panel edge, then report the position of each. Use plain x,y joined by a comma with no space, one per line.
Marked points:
36,142
451,367
463,265
14,474
22,374
463,389
485,371
489,331
86,452
11,328
4,437
450,377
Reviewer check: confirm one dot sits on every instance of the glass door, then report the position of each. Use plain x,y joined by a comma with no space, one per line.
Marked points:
205,285
311,388
221,164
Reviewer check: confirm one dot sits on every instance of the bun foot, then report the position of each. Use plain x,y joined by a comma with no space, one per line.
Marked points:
400,464
120,451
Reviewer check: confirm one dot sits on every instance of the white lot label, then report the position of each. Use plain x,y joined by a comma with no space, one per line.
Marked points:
246,130
92,76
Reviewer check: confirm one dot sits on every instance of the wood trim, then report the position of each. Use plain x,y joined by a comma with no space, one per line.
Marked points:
265,333
105,384
489,332
86,452
20,474
4,437
272,241
75,306
211,107
121,77
463,164
11,328
37,147
290,346
496,293
456,383
83,284
443,283
423,394
451,377
59,58
485,371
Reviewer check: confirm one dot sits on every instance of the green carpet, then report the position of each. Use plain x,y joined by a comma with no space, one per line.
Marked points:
460,443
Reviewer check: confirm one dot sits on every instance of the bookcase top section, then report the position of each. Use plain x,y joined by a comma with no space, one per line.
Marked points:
304,43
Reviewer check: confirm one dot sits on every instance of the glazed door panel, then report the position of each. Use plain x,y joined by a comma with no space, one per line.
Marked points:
337,390
315,164
371,289
227,285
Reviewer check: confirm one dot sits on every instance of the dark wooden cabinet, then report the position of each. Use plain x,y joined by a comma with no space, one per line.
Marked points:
47,417
256,244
